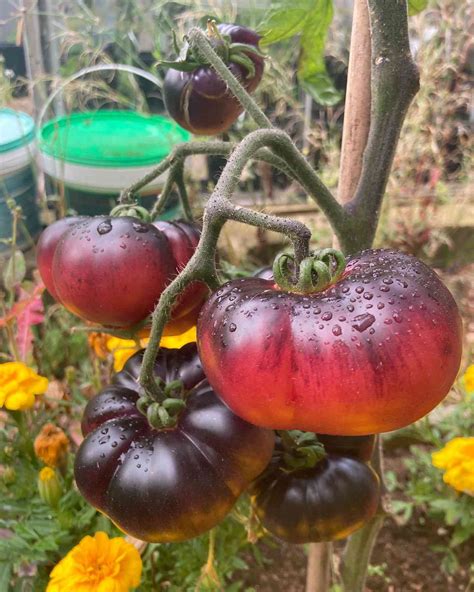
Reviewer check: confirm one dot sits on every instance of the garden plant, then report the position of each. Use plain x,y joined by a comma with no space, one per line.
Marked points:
295,371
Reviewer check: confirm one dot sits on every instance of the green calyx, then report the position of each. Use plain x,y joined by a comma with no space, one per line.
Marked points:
314,274
189,59
163,406
300,450
132,210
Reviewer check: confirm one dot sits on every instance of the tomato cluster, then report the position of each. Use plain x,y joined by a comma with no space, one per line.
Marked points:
112,270
341,349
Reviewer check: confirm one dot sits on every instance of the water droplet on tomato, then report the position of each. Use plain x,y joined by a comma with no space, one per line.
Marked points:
327,316
336,330
232,327
104,227
363,321
139,227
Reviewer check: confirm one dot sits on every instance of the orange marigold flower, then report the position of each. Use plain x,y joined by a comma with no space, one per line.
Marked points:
18,386
469,379
98,564
51,445
98,344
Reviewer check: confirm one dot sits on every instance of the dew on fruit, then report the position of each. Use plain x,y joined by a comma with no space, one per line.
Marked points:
139,227
363,321
232,327
104,227
336,330
327,316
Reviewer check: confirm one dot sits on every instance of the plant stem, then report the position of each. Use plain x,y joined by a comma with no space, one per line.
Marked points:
394,83
182,191
201,266
198,40
318,574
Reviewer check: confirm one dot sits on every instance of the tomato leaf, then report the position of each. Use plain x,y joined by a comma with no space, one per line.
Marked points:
15,270
311,20
416,6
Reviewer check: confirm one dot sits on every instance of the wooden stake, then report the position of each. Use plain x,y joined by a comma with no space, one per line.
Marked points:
357,106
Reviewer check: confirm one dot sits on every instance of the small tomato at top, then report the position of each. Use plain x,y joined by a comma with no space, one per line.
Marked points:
197,98
373,352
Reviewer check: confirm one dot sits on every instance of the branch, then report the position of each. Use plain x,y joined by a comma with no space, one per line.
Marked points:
394,83
201,266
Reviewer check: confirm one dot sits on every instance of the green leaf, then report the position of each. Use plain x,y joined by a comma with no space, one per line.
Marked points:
5,575
284,20
15,270
311,19
416,6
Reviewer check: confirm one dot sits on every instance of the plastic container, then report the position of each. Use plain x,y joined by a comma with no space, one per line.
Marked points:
95,155
17,177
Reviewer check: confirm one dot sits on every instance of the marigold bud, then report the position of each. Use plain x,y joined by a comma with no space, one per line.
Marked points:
51,445
49,486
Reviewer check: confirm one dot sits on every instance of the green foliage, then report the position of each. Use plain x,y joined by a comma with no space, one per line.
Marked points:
15,270
416,6
425,489
311,20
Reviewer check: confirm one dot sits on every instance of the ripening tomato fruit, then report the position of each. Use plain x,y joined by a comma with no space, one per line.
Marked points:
173,484
46,247
373,352
324,503
112,270
198,99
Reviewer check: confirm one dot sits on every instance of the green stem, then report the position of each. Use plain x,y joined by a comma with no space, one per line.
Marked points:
182,191
198,40
394,83
201,266
26,443
163,197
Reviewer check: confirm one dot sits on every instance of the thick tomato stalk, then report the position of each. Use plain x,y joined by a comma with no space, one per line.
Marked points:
373,352
199,100
112,270
173,484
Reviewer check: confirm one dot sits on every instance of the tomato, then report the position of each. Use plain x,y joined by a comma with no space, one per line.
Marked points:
171,484
358,447
324,503
112,270
183,238
199,100
373,352
46,247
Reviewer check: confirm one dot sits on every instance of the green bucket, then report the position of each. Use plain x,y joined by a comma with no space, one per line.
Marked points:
17,177
94,155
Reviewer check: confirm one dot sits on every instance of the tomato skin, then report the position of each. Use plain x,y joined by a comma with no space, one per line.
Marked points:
46,247
173,484
183,238
325,503
358,447
200,101
372,353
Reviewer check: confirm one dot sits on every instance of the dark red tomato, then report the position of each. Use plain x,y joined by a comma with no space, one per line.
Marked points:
325,503
358,447
46,247
184,238
372,353
172,484
200,101
112,271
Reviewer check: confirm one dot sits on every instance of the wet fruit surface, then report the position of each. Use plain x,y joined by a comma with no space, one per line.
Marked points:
325,503
171,484
46,247
200,101
372,353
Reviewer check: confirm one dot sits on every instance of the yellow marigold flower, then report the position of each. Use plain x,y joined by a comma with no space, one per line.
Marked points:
122,349
469,379
98,564
457,459
177,341
19,385
51,445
